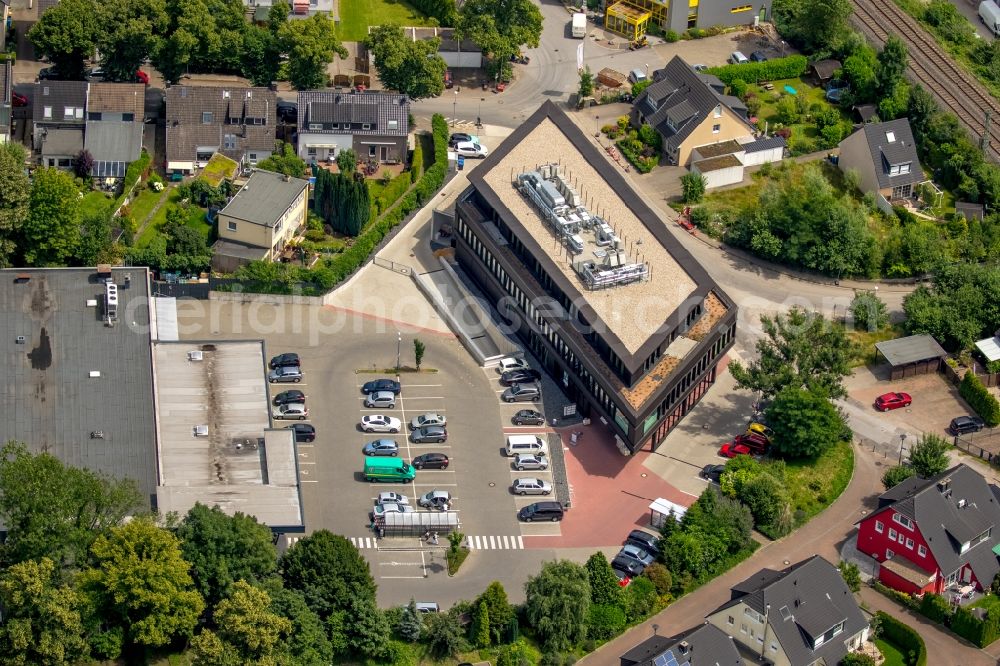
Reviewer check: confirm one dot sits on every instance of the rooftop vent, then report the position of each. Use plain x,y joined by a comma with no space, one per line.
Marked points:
19,340
961,504
94,374
196,355
200,431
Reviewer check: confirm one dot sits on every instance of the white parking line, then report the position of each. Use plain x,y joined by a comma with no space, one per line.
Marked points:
406,386
435,485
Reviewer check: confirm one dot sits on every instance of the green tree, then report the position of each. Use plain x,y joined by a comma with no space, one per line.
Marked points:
128,33
682,553
805,423
765,497
892,61
500,27
859,70
869,311
308,643
896,475
261,56
444,635
412,67
66,34
247,628
640,598
95,246
15,195
367,629
660,576
605,621
52,230
479,630
54,511
284,160
930,456
817,25
224,549
139,581
347,161
801,350
604,587
418,351
852,577
329,571
501,612
42,622
692,187
787,110
311,45
410,624
557,602
586,83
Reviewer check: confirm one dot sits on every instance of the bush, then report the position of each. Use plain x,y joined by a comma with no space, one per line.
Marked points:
791,67
980,399
738,88
605,621
904,637
869,311
633,150
660,576
934,607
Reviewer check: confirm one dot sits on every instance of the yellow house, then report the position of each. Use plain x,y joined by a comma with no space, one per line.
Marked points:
264,215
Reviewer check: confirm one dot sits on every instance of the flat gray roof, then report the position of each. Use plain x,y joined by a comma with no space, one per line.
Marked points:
911,349
48,398
241,464
264,198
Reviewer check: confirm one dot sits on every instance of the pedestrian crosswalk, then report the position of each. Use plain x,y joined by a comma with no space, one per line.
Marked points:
362,543
494,542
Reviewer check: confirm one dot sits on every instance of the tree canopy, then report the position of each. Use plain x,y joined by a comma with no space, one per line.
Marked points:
814,25
248,629
557,604
930,455
66,34
500,27
329,571
128,34
52,229
959,308
311,45
284,160
413,67
15,194
804,421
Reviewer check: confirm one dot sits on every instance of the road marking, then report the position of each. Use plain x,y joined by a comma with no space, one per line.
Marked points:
401,577
308,481
494,542
405,386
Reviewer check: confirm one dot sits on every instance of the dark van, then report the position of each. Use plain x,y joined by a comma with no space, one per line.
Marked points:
541,511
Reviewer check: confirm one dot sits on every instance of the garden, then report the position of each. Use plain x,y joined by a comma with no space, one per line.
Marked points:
357,15
640,146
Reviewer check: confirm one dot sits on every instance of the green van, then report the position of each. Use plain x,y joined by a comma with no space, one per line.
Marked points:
379,468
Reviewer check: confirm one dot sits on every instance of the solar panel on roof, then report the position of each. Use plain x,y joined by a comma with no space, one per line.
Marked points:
660,660
671,660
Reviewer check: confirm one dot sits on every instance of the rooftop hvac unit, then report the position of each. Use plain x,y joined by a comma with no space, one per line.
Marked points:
196,355
200,431
94,374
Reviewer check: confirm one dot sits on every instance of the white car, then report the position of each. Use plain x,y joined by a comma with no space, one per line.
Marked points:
391,507
508,363
380,423
529,486
295,410
523,461
429,419
387,497
385,399
471,149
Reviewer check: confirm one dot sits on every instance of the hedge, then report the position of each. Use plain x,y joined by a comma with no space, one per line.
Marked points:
791,67
976,631
132,175
904,637
980,399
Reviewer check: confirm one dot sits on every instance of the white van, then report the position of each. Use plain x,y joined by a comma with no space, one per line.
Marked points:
636,76
525,444
737,58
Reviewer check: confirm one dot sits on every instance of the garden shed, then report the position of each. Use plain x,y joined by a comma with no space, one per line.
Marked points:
912,355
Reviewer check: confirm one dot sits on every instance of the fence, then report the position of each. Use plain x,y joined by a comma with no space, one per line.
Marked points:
985,445
402,269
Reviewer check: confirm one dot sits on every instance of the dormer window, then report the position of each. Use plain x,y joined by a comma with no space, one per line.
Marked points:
318,126
366,126
890,136
393,124
225,94
206,118
899,169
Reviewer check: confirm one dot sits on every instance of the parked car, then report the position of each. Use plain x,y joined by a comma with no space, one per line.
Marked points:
284,374
523,461
758,56
471,149
429,419
303,432
627,566
390,496
380,423
712,472
431,461
381,447
648,542
391,507
449,82
760,429
289,397
888,401
530,486
289,359
528,417
141,77
385,399
435,499
295,410
460,137
522,393
508,363
623,578
541,511
94,74
963,425
49,74
699,67
737,58
732,449
377,385
17,99
637,553
288,111
754,441
522,376
429,435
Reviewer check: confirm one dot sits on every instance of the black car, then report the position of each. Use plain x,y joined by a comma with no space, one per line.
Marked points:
303,432
758,56
519,377
627,565
528,417
289,397
459,137
963,425
377,385
648,542
291,359
431,461
712,472
49,74
288,111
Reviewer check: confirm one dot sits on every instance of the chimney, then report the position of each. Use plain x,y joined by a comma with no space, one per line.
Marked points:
684,647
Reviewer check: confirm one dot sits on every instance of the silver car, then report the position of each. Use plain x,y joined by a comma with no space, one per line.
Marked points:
387,496
295,410
523,461
391,507
381,447
435,499
429,435
530,486
429,419
522,393
636,553
385,399
285,373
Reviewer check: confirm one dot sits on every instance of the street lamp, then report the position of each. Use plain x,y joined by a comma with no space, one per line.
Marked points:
647,71
783,45
399,342
902,438
454,110
479,116
597,127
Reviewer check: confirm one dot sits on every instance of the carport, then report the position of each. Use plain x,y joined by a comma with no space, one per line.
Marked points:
912,355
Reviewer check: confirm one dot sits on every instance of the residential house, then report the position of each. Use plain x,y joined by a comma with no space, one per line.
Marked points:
933,534
6,99
799,616
260,219
688,111
59,115
113,134
237,122
299,8
374,124
885,155
455,52
705,644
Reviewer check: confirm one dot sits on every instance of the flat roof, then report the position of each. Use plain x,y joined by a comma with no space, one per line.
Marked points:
73,375
241,464
718,163
633,312
911,349
720,148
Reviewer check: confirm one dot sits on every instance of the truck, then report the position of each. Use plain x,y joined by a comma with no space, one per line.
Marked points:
989,14
388,469
580,25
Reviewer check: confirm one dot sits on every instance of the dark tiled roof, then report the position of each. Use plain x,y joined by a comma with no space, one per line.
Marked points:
705,644
59,95
6,80
264,198
682,96
900,150
951,509
234,110
866,112
971,211
802,603
825,69
376,109
911,349
766,143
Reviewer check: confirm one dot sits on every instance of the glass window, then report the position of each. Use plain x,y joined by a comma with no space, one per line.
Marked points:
206,118
892,534
909,544
730,620
232,225
879,527
921,551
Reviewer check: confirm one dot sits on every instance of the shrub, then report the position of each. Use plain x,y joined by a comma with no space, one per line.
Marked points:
903,636
605,621
649,136
852,576
671,37
896,474
738,88
857,659
980,399
790,67
934,607
660,576
869,311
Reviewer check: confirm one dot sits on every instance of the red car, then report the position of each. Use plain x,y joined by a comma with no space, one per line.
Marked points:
732,449
141,77
18,99
888,401
754,441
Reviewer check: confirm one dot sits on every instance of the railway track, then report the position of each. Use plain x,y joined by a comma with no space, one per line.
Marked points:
955,88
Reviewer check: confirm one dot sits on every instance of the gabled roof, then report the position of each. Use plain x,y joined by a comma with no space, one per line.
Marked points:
705,644
802,603
234,111
891,143
951,509
825,69
264,198
117,98
377,109
59,95
681,96
110,141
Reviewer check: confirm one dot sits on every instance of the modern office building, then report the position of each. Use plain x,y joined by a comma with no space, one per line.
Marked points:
621,315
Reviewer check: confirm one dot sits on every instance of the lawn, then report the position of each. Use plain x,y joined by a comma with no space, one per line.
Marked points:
357,15
893,655
94,202
143,205
741,197
804,128
987,602
865,343
196,220
814,484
